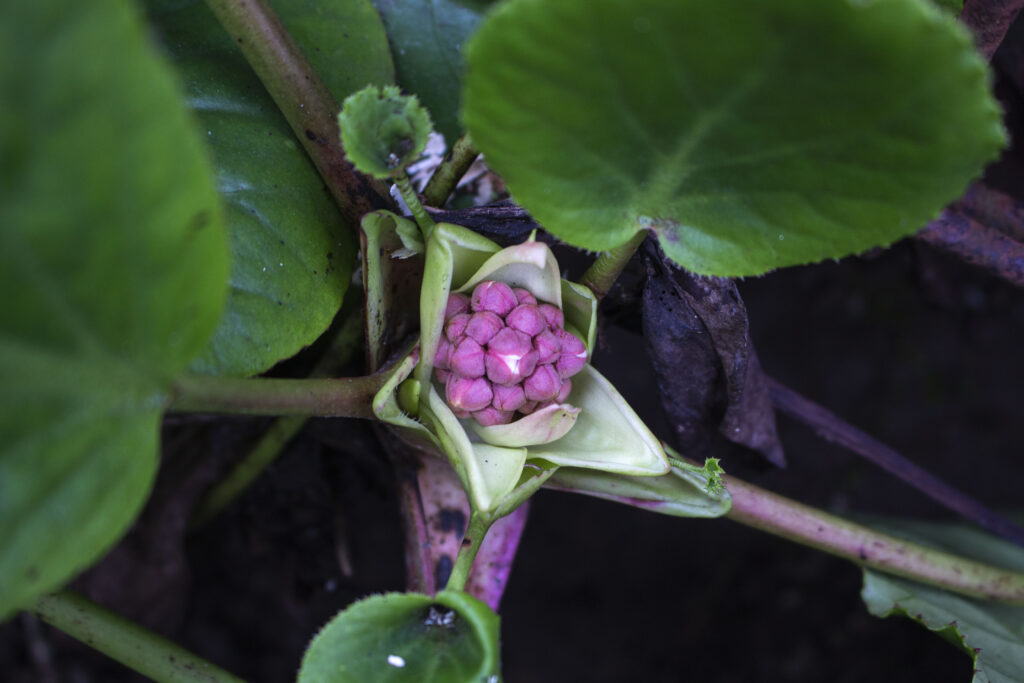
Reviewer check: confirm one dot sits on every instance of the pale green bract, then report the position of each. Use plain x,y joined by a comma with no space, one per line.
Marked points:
606,434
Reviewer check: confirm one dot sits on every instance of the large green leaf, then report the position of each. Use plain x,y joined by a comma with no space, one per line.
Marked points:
426,41
746,135
448,638
114,263
291,253
992,634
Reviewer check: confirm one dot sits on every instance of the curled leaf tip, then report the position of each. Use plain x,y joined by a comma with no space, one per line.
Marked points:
383,131
713,471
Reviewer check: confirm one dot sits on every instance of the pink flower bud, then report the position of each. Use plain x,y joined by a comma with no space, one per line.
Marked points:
468,394
524,296
510,357
444,347
529,407
442,375
548,347
574,354
490,416
456,326
457,303
527,319
564,391
543,384
482,326
467,358
509,398
553,314
493,296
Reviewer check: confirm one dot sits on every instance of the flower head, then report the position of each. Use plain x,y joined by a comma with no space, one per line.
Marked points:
501,376
524,357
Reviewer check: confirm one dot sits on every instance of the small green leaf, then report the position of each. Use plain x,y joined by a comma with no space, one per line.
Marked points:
292,254
448,638
383,131
747,136
426,41
113,251
992,634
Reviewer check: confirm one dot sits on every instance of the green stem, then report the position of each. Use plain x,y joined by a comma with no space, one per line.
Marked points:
412,200
302,97
458,160
343,397
266,450
603,272
479,523
125,641
802,524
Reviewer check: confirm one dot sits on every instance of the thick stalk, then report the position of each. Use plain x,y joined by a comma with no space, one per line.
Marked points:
302,97
343,397
445,179
151,655
479,523
780,516
342,347
603,272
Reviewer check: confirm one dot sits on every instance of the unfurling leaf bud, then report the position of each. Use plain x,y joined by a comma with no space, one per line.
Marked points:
493,296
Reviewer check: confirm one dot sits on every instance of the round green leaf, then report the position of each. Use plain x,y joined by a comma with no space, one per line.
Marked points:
746,135
991,633
383,131
426,41
291,252
448,638
114,258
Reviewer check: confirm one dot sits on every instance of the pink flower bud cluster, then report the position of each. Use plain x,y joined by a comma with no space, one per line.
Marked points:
504,353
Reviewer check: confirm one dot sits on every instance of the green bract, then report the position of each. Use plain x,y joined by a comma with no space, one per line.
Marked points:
383,131
498,466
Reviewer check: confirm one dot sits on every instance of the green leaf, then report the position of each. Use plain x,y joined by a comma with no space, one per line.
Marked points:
113,254
426,41
954,7
383,131
991,633
291,252
448,638
747,136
